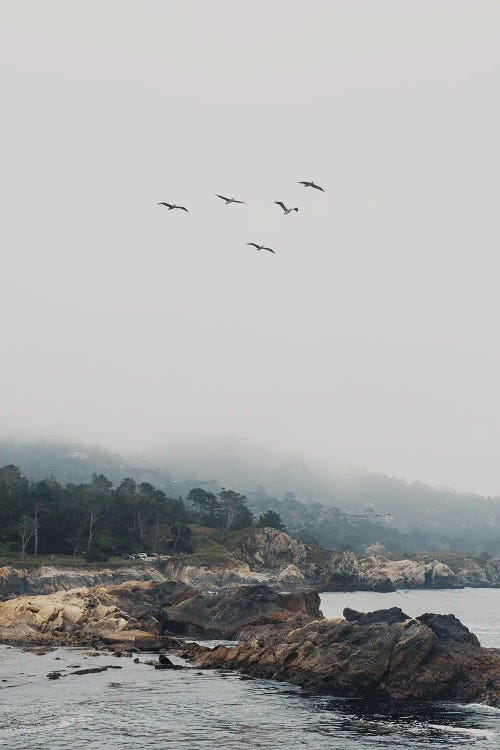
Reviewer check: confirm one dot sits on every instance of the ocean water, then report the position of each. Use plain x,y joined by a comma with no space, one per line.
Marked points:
139,707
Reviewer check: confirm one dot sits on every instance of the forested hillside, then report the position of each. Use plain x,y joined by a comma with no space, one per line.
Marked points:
352,512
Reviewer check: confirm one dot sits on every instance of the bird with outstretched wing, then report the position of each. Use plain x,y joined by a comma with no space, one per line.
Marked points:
312,184
285,209
171,206
261,247
228,200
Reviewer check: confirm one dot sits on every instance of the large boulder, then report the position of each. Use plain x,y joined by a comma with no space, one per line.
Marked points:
62,617
408,573
226,614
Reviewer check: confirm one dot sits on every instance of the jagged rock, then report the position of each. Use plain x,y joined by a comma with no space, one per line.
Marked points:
270,556
408,573
139,615
379,655
225,614
63,616
394,614
449,627
210,575
191,650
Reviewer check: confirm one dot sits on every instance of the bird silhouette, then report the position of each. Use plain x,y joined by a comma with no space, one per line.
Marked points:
261,247
228,200
170,206
285,209
312,184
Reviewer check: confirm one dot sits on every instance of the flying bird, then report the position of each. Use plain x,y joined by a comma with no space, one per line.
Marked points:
285,209
261,247
170,206
311,184
228,200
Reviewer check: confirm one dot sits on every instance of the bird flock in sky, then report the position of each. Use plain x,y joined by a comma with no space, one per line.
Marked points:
227,201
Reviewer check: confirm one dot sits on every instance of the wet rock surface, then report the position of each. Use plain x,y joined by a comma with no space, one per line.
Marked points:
382,655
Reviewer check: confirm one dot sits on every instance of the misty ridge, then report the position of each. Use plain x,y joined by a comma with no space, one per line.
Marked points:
339,509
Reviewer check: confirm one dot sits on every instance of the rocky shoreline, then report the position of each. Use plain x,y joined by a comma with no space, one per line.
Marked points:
380,656
266,556
384,655
147,612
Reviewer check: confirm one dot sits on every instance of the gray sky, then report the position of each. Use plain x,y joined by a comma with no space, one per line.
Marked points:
370,338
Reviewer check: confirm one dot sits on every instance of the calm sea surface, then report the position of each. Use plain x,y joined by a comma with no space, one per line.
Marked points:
138,707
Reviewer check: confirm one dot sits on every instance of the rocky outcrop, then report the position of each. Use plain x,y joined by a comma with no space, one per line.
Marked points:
145,611
470,570
213,575
267,555
270,549
383,655
257,556
66,617
274,557
43,579
229,613
438,571
408,573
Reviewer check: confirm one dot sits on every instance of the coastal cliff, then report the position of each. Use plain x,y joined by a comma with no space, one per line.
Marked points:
47,579
255,556
272,556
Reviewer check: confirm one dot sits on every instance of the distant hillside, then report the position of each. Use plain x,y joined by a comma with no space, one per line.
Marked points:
73,462
405,514
355,510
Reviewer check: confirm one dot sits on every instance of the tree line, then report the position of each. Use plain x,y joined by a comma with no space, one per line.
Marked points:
97,520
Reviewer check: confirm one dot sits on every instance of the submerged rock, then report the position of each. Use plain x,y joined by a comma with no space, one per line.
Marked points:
93,670
165,663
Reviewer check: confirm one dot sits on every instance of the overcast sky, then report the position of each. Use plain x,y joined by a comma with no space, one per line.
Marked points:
370,338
